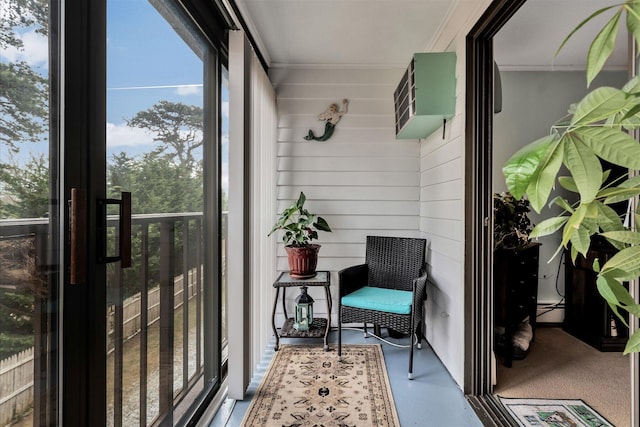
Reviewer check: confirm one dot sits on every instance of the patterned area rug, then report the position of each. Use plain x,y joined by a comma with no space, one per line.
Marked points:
307,386
553,412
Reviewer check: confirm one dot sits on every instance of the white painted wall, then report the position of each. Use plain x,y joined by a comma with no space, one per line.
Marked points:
532,102
442,181
362,180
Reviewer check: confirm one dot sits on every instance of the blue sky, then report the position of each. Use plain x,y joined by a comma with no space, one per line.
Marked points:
146,62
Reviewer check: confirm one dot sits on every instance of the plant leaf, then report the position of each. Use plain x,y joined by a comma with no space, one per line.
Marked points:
573,224
625,265
593,15
602,47
584,167
562,202
633,19
568,183
609,290
621,295
301,201
612,145
621,195
580,240
540,186
599,104
574,254
630,237
548,226
633,345
608,218
632,182
633,85
521,167
630,113
321,224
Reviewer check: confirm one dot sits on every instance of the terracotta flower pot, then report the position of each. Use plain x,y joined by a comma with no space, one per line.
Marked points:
303,261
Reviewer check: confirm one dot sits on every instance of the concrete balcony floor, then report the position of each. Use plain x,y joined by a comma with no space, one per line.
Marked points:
431,398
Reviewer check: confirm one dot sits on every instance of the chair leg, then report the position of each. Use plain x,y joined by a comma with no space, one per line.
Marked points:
366,333
410,376
411,335
376,330
339,333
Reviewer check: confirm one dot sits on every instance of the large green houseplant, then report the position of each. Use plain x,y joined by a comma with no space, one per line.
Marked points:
597,130
300,227
511,223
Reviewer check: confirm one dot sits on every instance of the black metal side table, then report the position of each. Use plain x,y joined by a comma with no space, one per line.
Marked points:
320,325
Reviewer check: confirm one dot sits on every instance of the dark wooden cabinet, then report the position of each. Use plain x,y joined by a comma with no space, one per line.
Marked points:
587,315
515,281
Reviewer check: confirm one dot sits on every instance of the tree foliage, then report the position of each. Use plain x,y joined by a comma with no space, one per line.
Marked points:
21,284
23,88
157,184
176,126
26,188
595,134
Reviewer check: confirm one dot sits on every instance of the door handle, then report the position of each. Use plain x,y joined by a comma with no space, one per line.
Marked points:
78,237
124,230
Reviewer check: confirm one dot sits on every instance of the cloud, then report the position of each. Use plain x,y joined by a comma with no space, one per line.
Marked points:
225,109
35,51
120,135
186,90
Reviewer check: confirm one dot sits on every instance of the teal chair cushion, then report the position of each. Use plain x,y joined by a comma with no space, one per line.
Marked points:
380,299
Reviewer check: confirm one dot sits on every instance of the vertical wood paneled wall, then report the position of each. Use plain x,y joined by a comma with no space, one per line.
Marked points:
442,219
362,180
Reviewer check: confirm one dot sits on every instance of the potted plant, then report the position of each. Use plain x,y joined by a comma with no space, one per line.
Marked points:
596,133
511,226
300,227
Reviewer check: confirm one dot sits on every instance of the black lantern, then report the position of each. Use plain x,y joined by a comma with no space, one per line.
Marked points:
304,310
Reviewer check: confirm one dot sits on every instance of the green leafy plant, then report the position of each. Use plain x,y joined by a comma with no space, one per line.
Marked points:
596,131
299,225
512,225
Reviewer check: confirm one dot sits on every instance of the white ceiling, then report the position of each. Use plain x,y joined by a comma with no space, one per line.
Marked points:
336,32
388,32
532,36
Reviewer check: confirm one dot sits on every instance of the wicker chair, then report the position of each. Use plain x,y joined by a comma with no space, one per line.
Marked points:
388,290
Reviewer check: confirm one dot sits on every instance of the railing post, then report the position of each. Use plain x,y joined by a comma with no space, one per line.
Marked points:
144,319
185,304
167,267
118,343
198,285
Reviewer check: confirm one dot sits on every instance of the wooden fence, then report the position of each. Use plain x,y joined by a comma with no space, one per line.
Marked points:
16,385
131,308
16,372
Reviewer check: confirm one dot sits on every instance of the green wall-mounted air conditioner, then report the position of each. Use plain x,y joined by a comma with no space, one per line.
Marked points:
426,95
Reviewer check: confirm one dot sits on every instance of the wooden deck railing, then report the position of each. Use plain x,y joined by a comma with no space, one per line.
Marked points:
131,316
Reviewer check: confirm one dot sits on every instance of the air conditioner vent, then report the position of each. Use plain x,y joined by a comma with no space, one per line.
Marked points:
425,95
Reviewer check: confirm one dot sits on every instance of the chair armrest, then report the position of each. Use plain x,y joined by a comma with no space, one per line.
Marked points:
420,288
419,296
352,278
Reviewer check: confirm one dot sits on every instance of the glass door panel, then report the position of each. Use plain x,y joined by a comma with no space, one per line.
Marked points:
29,233
224,202
156,137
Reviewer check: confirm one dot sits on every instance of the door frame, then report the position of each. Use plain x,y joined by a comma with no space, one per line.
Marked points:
83,133
81,33
478,195
479,218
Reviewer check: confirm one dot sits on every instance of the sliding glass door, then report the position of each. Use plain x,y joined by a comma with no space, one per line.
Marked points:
160,140
111,211
29,219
